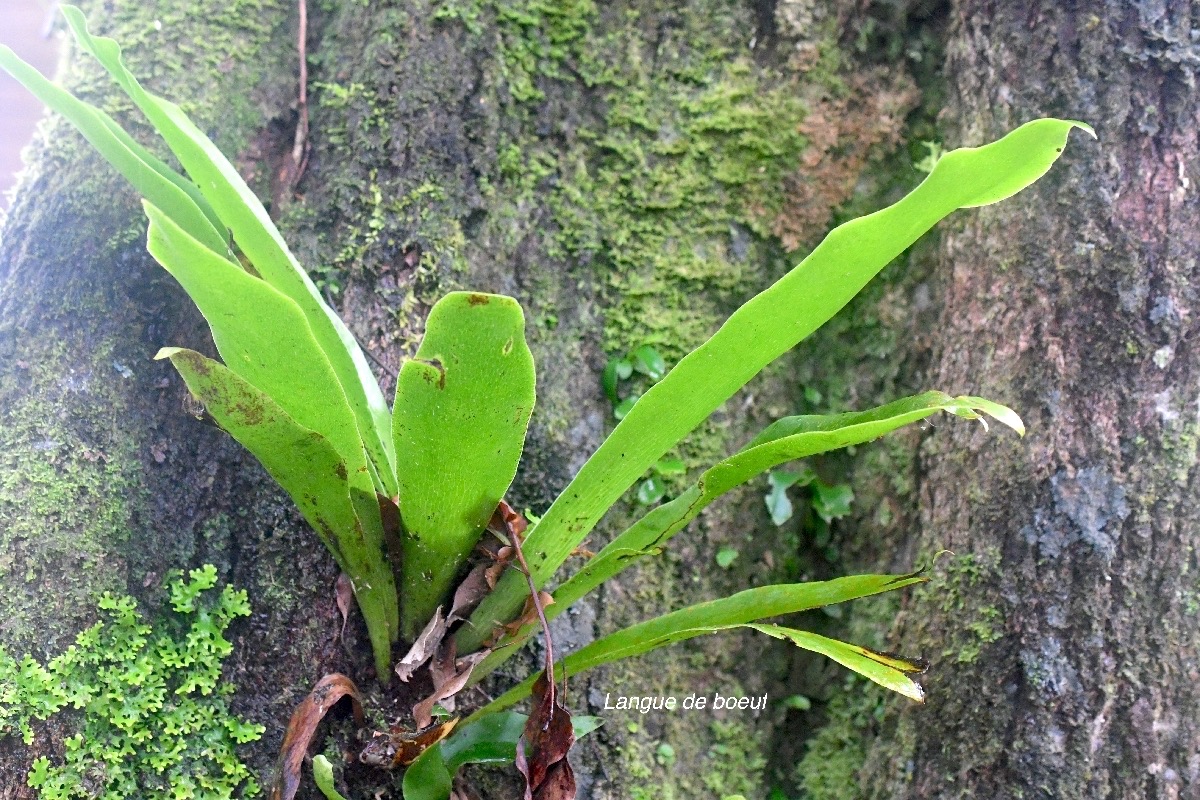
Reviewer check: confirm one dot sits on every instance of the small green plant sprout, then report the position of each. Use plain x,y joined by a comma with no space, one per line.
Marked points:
155,723
644,360
401,496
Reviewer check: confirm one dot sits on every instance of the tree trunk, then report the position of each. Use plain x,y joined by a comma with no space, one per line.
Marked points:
1063,631
631,172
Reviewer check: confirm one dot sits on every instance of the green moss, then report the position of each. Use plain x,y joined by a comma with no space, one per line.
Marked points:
201,57
958,590
155,722
68,495
735,761
830,767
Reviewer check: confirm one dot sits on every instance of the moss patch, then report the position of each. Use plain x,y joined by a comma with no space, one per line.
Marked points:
155,722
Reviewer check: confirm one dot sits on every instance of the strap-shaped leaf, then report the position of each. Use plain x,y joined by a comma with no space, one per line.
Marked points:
315,474
323,777
462,408
153,179
784,440
262,244
767,326
261,335
887,669
739,609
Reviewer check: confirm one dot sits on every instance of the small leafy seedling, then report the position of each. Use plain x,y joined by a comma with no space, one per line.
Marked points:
644,360
726,556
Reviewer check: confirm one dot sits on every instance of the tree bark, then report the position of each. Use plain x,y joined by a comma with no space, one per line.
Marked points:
631,172
628,171
1063,631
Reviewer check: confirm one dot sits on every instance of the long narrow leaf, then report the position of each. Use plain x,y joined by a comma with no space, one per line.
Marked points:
312,471
766,327
739,609
462,408
785,440
153,179
888,670
258,238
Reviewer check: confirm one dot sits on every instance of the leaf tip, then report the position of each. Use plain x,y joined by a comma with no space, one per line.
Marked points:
1083,126
167,352
972,407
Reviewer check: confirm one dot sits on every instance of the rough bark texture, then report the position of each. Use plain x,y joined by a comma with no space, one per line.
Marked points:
631,172
1064,631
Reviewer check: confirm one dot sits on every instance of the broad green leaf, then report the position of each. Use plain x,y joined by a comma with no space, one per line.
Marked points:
153,179
651,490
764,328
491,739
648,362
779,505
323,776
783,441
625,406
312,471
262,244
428,778
462,408
786,478
797,702
261,334
742,608
670,466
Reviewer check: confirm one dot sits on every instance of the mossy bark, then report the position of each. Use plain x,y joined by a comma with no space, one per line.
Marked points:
1063,632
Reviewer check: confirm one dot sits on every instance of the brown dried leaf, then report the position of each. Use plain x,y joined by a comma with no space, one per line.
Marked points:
424,648
469,593
543,747
398,749
449,678
303,724
559,783
508,521
529,615
493,573
344,592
